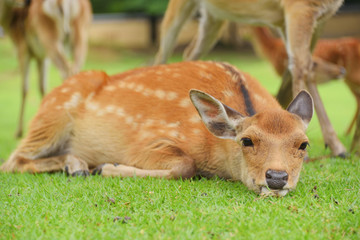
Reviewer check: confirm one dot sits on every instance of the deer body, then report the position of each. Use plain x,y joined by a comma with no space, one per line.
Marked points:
296,21
46,28
142,122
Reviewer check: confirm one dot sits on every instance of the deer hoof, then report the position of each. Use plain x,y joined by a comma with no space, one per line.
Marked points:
82,173
343,155
98,170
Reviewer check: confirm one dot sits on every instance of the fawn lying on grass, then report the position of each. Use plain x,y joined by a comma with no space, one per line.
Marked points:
297,21
341,52
41,29
143,122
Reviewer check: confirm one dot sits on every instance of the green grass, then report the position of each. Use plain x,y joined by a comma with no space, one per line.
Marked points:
325,204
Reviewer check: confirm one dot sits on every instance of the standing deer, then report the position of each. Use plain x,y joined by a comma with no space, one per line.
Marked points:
298,22
143,123
341,52
44,28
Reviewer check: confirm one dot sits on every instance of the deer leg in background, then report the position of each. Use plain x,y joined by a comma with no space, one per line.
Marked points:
208,33
300,64
284,95
79,48
355,145
328,131
54,48
171,27
24,61
42,65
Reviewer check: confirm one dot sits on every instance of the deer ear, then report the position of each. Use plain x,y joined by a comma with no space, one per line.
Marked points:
219,119
302,106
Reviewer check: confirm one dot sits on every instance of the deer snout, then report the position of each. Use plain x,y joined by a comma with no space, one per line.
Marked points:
276,179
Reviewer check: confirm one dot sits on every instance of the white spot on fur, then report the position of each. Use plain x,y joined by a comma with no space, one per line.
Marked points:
176,75
110,108
182,137
174,133
205,75
196,131
52,100
259,98
58,107
173,125
90,96
120,112
220,65
160,94
92,106
229,74
185,103
139,88
74,101
202,65
131,85
122,84
110,88
64,90
148,92
195,118
228,93
129,120
149,122
171,96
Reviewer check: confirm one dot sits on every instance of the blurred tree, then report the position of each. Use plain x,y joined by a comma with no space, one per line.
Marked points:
152,7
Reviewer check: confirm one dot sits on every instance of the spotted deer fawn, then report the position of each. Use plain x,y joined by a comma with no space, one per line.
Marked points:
342,53
144,123
44,28
297,21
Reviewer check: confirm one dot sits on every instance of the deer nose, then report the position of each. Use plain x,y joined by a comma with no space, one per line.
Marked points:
276,179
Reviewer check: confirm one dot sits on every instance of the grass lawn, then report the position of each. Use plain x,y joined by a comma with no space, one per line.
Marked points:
325,205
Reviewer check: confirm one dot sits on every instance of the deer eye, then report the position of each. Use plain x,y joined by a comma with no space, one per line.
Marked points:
304,145
246,142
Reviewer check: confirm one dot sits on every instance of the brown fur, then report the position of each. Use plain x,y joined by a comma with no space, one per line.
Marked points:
298,22
143,120
44,29
341,52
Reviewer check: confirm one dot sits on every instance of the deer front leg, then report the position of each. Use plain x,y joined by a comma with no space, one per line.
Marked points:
207,35
79,46
75,166
355,145
329,134
54,49
42,65
24,61
168,162
178,11
300,24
